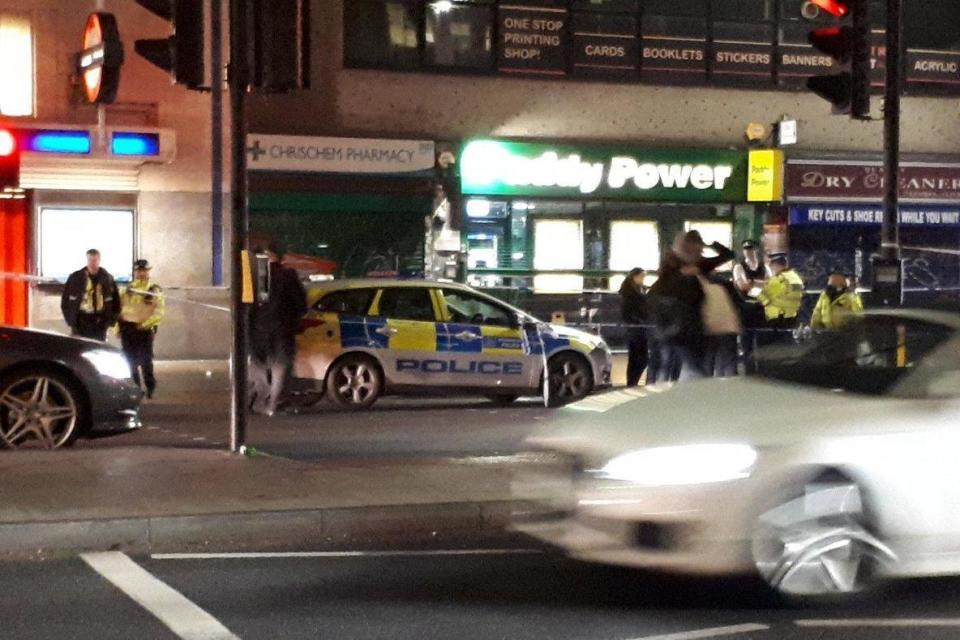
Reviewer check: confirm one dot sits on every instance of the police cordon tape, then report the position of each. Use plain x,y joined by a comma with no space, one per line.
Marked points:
24,277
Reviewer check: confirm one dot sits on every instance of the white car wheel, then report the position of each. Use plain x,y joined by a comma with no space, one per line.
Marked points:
818,544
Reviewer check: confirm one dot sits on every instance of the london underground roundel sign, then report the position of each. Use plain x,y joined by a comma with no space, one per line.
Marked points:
101,58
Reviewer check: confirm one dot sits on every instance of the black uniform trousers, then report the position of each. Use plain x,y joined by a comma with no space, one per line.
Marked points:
138,347
91,325
636,355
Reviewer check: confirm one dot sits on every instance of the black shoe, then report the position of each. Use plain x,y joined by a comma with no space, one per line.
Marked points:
149,394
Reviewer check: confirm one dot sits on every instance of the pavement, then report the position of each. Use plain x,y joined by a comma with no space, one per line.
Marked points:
147,499
408,472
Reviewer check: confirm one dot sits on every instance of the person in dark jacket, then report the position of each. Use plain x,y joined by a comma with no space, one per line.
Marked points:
633,311
273,332
676,302
90,302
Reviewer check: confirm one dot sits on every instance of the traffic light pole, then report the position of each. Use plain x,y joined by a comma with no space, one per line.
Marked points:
887,267
890,234
239,74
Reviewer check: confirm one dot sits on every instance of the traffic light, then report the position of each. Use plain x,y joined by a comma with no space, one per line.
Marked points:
9,159
280,46
182,54
848,43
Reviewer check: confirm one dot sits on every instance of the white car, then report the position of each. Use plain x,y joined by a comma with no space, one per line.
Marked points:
837,466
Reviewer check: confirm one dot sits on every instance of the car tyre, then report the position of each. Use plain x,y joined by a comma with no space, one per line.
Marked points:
570,378
40,406
817,544
355,382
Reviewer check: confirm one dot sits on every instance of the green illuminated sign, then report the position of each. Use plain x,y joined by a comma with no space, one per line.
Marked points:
495,168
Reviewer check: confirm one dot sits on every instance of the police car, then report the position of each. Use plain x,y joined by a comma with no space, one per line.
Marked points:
361,339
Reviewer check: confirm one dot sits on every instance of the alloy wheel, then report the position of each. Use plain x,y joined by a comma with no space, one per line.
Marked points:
570,379
356,383
818,543
37,409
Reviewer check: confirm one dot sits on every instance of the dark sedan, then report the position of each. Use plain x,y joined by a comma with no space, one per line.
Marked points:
56,388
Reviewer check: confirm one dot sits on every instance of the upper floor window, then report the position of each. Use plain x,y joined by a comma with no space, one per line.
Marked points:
16,72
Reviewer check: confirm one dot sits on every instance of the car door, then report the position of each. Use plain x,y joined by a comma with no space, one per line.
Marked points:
335,323
406,319
483,342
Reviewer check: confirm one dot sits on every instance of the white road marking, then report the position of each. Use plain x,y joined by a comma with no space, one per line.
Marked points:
882,622
341,554
716,632
185,619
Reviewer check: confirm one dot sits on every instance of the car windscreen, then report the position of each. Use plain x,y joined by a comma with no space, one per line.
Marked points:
870,355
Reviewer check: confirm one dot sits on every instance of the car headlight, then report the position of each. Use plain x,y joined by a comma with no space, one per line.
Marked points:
689,464
109,363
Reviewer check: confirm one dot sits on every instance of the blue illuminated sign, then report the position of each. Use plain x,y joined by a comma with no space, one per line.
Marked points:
135,144
868,214
58,142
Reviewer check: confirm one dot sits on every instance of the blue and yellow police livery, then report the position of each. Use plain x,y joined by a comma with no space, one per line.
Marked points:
363,338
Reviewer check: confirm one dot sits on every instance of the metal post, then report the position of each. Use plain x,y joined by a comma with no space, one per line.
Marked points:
887,266
890,231
239,74
216,141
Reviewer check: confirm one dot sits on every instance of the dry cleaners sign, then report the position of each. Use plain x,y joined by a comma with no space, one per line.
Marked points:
497,168
303,154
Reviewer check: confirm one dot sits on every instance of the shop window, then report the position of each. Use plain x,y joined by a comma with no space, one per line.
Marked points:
612,6
633,243
382,33
683,8
674,42
458,35
605,44
742,10
67,234
481,208
17,72
711,232
558,244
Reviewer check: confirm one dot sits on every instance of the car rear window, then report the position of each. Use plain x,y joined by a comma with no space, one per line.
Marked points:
354,302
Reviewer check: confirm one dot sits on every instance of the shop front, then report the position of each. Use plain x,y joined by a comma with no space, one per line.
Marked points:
835,213
350,207
80,189
569,219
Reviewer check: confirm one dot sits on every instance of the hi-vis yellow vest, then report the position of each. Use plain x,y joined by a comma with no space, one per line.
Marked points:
144,310
782,296
834,314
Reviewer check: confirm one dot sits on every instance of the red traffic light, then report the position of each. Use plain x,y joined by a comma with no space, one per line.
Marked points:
836,42
9,159
833,7
8,143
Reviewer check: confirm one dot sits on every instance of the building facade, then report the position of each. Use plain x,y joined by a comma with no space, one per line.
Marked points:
82,191
682,76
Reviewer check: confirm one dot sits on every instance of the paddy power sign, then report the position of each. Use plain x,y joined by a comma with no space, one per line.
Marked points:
496,168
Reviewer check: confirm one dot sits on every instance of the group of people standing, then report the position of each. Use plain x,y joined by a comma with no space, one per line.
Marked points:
92,303
689,323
